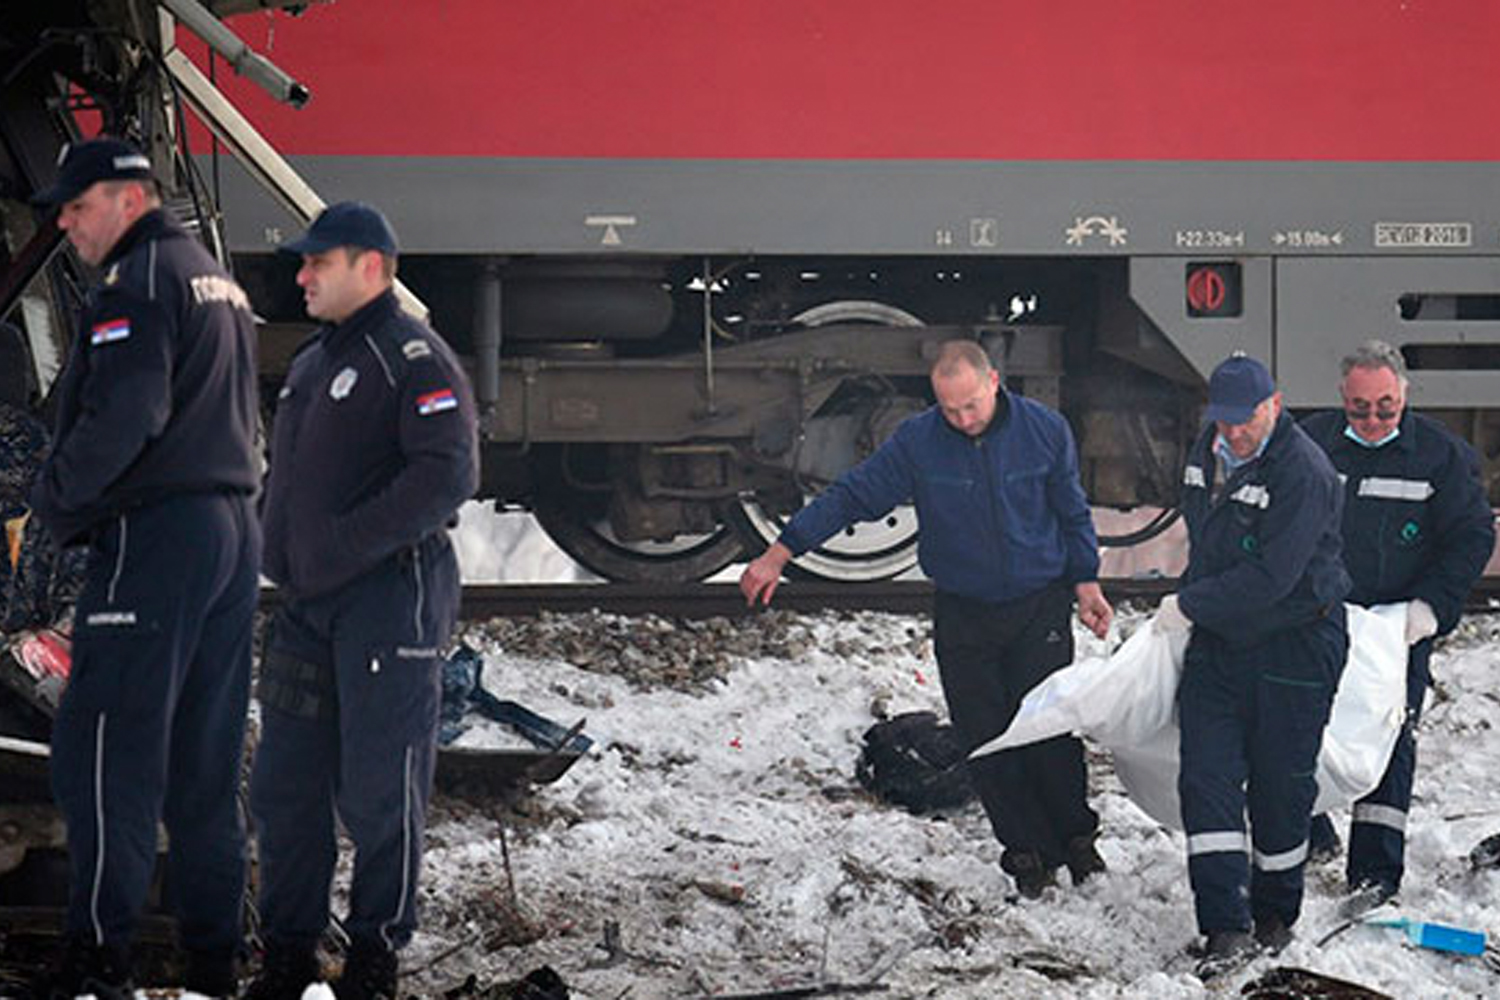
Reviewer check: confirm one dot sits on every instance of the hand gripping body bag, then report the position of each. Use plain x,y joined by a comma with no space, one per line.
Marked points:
1127,703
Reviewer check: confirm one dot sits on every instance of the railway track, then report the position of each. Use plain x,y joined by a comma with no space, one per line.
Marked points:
724,599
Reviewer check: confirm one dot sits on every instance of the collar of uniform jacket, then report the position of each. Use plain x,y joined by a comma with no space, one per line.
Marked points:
337,337
153,224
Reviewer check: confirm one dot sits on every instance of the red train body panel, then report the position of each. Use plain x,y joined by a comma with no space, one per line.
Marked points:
1333,80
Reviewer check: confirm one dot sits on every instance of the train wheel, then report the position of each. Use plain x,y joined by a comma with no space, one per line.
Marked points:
572,506
869,550
591,544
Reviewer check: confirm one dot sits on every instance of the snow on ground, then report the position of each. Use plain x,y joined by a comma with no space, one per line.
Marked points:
508,547
714,840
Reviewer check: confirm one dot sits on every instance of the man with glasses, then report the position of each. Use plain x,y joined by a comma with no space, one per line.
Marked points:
1417,527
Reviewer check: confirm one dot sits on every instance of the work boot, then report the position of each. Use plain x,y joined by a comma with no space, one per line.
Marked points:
285,972
1032,875
369,973
1364,897
86,968
1272,934
1084,861
212,973
1225,951
1323,842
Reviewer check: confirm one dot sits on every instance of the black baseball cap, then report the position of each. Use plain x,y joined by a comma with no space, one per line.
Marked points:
346,224
85,164
1236,388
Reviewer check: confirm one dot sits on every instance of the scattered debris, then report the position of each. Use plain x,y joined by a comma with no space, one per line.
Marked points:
1287,983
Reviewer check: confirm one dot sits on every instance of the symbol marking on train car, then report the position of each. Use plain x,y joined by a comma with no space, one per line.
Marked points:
1100,226
1205,290
984,232
1308,238
611,224
943,237
1424,234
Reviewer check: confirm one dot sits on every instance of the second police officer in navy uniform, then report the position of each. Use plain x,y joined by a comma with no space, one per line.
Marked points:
152,467
1417,527
373,449
1263,593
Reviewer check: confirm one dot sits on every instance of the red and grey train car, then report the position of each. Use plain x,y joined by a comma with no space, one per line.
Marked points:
698,255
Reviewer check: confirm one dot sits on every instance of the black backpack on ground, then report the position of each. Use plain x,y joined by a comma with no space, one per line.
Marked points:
914,761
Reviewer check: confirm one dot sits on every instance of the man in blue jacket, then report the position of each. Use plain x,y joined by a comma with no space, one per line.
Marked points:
1008,540
374,448
1263,594
1417,527
152,468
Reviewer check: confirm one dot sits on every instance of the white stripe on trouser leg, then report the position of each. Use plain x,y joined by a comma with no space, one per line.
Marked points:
406,821
1218,842
416,614
98,830
114,580
1285,861
1379,815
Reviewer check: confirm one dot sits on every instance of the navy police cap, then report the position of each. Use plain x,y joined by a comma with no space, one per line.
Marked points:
346,224
1236,388
85,164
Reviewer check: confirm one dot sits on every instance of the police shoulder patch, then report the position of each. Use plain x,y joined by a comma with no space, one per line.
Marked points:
436,401
416,348
109,331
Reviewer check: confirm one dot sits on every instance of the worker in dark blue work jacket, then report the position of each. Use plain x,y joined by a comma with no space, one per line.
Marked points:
1007,537
1417,527
373,449
152,467
1263,593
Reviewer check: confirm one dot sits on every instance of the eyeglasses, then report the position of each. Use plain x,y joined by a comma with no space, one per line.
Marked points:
1385,409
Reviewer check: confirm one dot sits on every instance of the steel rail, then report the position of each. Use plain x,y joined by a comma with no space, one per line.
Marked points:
709,600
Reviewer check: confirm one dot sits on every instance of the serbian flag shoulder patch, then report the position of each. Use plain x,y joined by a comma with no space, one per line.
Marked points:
436,402
110,331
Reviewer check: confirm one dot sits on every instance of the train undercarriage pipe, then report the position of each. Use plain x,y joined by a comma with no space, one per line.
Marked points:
487,335
246,62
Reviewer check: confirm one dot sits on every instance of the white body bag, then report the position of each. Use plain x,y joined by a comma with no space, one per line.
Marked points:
1127,703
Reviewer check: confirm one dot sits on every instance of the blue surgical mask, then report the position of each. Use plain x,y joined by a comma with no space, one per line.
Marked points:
1349,433
1233,461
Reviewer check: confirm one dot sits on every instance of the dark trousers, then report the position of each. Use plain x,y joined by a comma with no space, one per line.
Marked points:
989,656
1377,827
349,691
1252,723
152,724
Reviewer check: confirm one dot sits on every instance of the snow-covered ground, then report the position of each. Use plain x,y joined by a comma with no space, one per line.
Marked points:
715,841
509,547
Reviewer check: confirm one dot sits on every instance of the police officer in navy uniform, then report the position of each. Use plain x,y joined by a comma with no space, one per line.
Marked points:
1417,527
1263,593
373,449
152,467
1008,539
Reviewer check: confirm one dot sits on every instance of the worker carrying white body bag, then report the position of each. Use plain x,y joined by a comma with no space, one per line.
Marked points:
1127,703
